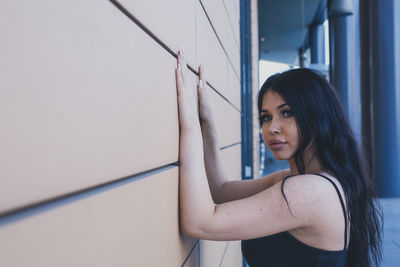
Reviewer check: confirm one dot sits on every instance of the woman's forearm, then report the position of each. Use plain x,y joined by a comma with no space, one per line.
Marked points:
212,159
196,203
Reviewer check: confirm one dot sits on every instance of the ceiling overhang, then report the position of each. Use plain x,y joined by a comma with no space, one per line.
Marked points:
283,28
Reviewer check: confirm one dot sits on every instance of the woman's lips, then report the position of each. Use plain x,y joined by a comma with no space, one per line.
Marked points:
277,145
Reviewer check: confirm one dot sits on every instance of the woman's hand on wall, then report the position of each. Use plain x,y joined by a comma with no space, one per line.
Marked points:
187,100
205,110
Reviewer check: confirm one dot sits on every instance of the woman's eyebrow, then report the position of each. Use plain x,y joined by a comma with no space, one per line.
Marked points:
278,107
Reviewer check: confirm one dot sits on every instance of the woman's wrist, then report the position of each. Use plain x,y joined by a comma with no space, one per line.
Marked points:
210,137
208,130
191,127
207,124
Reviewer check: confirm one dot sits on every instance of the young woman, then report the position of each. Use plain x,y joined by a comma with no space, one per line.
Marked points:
320,212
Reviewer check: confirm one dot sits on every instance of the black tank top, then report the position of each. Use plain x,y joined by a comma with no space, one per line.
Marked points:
284,250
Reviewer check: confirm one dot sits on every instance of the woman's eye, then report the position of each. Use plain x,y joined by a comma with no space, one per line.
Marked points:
265,118
287,113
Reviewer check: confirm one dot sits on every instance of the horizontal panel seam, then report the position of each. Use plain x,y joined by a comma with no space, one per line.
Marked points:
163,45
223,254
223,97
141,25
38,207
231,145
42,206
190,253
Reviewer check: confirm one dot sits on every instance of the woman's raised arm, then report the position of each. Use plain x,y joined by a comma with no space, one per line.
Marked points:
221,187
264,213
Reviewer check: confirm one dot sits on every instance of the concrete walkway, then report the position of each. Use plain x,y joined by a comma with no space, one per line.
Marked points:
391,232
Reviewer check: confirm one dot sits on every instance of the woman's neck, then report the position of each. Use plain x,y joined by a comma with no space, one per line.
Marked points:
311,163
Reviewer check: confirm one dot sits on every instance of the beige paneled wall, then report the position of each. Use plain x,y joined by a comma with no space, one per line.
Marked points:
132,223
79,102
89,129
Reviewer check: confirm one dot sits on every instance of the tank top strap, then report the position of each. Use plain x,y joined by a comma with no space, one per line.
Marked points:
343,207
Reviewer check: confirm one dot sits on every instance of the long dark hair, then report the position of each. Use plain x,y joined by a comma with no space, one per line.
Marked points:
320,117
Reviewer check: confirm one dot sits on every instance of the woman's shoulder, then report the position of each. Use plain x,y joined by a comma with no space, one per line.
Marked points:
313,189
327,223
304,191
311,180
322,181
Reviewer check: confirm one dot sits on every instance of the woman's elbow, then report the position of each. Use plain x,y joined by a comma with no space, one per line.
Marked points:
195,230
197,224
190,230
187,232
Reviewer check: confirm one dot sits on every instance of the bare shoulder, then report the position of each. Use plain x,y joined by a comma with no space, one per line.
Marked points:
309,182
321,186
306,194
320,201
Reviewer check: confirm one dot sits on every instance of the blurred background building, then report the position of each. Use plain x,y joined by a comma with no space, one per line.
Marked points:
89,131
356,45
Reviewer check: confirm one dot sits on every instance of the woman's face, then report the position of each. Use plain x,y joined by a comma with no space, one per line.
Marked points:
279,126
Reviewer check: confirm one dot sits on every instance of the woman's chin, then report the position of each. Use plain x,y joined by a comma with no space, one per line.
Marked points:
281,159
278,156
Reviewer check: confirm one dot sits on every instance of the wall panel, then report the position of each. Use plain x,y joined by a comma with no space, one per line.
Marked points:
233,255
232,161
227,119
217,13
219,17
234,54
233,84
220,253
194,258
132,224
79,105
212,252
233,13
172,21
210,52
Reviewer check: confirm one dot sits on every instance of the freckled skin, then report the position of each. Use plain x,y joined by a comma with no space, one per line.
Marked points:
279,126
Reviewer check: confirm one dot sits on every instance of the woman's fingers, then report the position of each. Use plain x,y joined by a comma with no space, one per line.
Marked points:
202,81
180,72
187,99
201,84
183,65
179,82
201,73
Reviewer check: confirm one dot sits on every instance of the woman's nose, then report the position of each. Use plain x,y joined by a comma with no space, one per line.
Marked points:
275,127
